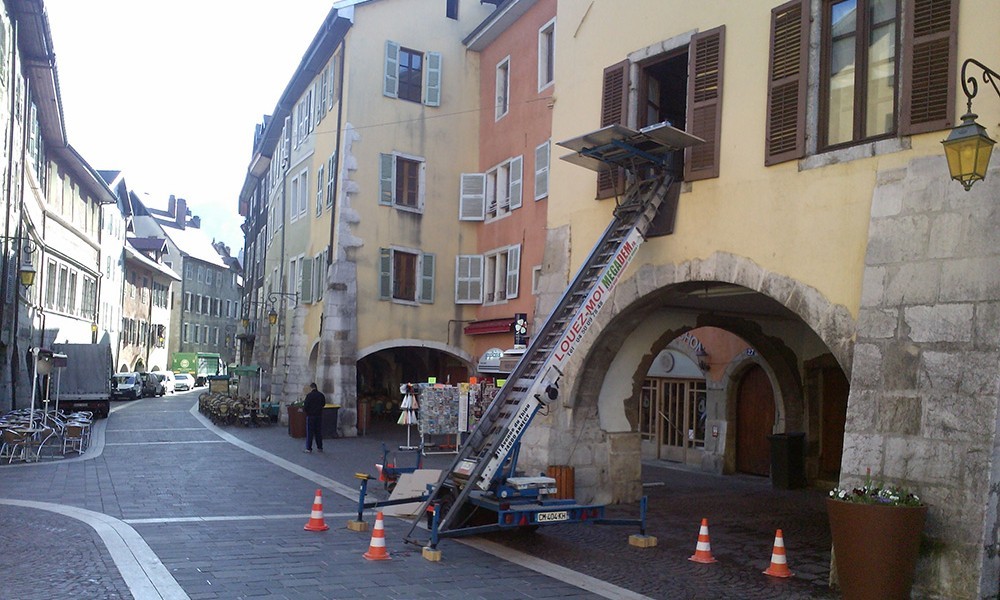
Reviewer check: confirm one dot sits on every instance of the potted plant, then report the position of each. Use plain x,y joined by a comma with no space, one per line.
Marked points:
876,531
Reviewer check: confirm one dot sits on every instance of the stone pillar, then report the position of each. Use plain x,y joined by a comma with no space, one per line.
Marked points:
924,388
338,349
296,373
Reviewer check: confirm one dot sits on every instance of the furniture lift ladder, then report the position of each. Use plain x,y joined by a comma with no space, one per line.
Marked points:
496,434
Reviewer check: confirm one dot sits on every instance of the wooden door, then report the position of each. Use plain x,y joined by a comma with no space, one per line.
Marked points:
834,415
754,422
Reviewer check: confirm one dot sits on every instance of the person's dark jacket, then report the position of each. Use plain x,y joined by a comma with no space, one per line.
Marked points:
313,406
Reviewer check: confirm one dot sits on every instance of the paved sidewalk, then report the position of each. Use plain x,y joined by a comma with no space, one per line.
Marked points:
223,511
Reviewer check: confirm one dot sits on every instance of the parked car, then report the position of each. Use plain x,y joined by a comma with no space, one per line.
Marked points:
183,382
151,385
126,386
167,377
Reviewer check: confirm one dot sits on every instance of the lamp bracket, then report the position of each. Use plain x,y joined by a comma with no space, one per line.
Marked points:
969,84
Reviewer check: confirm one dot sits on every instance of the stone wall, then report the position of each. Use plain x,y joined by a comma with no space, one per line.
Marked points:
924,389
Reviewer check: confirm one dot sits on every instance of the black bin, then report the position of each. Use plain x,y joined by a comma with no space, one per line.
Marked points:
788,460
330,414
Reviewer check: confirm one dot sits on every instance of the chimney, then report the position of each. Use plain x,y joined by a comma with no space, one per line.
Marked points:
171,204
196,222
180,214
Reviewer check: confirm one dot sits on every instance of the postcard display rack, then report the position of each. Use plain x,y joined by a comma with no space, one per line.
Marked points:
448,412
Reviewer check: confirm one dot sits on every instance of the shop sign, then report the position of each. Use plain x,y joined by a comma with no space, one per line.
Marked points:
490,360
520,330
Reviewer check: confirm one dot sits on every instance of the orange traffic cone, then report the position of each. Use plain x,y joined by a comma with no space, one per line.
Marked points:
703,551
316,522
779,564
376,550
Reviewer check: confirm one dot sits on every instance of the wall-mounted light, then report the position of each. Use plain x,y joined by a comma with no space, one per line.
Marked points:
272,301
968,147
26,272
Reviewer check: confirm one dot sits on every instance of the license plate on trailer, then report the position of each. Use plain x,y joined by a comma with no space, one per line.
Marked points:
551,517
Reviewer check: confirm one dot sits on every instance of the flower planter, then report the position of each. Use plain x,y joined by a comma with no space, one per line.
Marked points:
876,548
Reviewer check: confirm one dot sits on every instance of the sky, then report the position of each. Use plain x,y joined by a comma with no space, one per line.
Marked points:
170,92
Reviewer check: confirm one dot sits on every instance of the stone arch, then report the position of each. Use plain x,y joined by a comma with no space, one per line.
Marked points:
626,343
416,343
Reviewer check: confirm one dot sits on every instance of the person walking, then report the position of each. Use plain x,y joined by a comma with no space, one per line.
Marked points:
313,407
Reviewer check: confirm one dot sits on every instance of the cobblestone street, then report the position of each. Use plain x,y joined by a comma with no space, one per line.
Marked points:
222,510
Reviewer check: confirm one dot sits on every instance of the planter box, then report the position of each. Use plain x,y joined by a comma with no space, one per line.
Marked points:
875,547
296,422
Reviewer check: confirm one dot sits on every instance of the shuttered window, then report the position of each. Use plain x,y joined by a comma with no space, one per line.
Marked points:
407,276
472,203
469,279
705,103
542,171
614,111
929,55
410,75
787,78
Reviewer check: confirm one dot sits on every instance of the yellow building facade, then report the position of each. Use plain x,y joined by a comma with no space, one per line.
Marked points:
818,224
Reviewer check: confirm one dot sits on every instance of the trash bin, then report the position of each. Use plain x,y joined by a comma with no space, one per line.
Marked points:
296,422
788,468
329,428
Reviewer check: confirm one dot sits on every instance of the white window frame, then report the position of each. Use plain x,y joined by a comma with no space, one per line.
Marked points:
536,280
546,52
299,195
331,176
502,89
507,177
502,264
319,191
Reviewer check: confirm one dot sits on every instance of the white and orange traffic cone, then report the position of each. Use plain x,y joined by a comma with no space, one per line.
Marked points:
376,550
779,563
316,522
703,551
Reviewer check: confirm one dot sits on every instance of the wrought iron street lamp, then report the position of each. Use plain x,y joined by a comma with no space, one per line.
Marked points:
968,147
26,272
272,300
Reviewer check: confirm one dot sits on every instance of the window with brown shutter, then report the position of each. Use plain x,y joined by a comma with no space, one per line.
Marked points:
929,57
705,103
785,138
614,111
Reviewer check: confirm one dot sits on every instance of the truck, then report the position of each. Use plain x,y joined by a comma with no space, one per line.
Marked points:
200,365
82,380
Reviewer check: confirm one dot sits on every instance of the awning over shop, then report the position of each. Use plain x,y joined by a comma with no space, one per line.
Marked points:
489,326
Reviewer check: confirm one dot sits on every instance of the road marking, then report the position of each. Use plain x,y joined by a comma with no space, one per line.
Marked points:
164,429
334,486
139,566
585,582
164,443
557,572
171,520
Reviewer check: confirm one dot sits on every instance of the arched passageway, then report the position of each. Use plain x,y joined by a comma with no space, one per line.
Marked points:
786,377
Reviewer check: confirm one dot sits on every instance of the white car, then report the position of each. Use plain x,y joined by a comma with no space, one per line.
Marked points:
183,382
167,377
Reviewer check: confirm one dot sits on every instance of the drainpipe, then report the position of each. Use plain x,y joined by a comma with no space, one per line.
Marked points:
336,177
